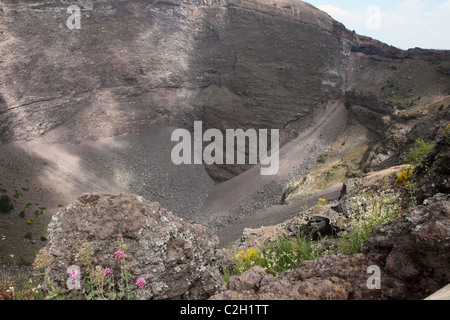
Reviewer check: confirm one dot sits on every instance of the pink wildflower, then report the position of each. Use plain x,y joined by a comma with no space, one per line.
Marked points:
107,271
140,283
119,255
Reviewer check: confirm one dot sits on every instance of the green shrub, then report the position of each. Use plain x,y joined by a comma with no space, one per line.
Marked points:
416,153
5,204
323,157
379,208
279,256
400,106
17,194
286,254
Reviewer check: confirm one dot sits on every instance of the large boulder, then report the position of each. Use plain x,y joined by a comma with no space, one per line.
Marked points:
175,258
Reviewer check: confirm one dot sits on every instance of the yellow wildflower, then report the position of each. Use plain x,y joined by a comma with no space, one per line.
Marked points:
250,256
403,177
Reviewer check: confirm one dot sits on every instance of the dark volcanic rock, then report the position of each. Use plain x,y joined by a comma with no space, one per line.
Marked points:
414,249
336,277
175,258
317,227
433,173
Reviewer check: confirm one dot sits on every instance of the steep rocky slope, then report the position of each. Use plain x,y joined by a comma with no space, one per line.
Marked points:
75,104
136,64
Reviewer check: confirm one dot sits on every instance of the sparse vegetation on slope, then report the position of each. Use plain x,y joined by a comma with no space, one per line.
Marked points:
342,161
5,204
369,210
420,149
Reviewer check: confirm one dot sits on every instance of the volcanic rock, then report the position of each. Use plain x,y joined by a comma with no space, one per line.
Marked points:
415,249
176,259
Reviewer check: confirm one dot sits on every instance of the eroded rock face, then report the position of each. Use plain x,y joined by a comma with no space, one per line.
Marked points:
134,64
176,259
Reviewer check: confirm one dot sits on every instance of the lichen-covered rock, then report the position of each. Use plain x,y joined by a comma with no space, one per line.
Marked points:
415,249
176,259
